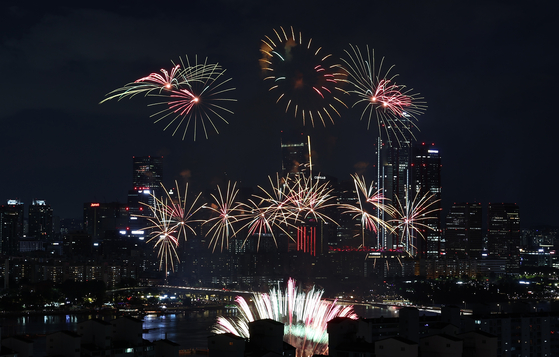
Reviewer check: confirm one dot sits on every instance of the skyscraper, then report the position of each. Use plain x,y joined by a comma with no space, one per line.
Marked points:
394,179
463,234
147,173
503,233
296,158
406,173
99,218
426,180
11,226
40,220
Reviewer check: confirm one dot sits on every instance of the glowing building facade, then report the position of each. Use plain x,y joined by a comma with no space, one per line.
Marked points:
296,156
503,233
426,180
147,173
11,226
463,233
40,220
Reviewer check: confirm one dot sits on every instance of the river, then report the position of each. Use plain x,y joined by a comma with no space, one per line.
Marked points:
190,329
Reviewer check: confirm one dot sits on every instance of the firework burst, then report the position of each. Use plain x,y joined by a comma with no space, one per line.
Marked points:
262,217
193,97
308,198
225,209
412,216
163,232
304,79
304,314
171,218
369,208
394,106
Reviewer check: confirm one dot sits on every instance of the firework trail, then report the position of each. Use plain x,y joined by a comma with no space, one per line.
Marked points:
193,97
226,209
163,231
304,314
305,80
412,216
369,207
146,85
394,106
171,219
308,197
180,211
262,217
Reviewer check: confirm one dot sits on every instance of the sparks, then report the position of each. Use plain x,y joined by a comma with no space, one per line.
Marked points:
305,316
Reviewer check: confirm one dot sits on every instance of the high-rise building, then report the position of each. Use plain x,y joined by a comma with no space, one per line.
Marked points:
406,174
426,180
147,173
503,233
463,233
394,180
101,217
296,158
40,220
11,226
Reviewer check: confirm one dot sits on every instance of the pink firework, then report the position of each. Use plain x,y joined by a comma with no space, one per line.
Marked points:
197,102
166,81
305,316
394,106
193,96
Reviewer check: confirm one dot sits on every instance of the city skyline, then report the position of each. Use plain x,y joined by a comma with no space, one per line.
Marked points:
472,64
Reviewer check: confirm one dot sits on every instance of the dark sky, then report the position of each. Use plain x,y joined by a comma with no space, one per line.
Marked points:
488,72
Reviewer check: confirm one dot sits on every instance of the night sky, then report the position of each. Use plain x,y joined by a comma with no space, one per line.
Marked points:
488,72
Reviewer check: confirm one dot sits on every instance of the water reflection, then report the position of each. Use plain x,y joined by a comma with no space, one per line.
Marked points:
189,329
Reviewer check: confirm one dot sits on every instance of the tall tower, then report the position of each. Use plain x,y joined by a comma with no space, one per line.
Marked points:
40,220
463,234
426,180
296,158
11,226
147,173
503,233
394,180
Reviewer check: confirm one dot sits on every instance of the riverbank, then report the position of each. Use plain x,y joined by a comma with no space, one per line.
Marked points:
130,310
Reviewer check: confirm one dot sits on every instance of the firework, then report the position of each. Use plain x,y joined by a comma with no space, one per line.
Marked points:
226,209
394,106
262,217
180,211
171,219
146,85
193,97
304,314
164,233
370,207
305,80
412,217
308,197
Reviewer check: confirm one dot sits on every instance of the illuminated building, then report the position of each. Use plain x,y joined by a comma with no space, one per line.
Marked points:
463,234
147,173
40,220
296,155
426,179
503,233
11,226
101,217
